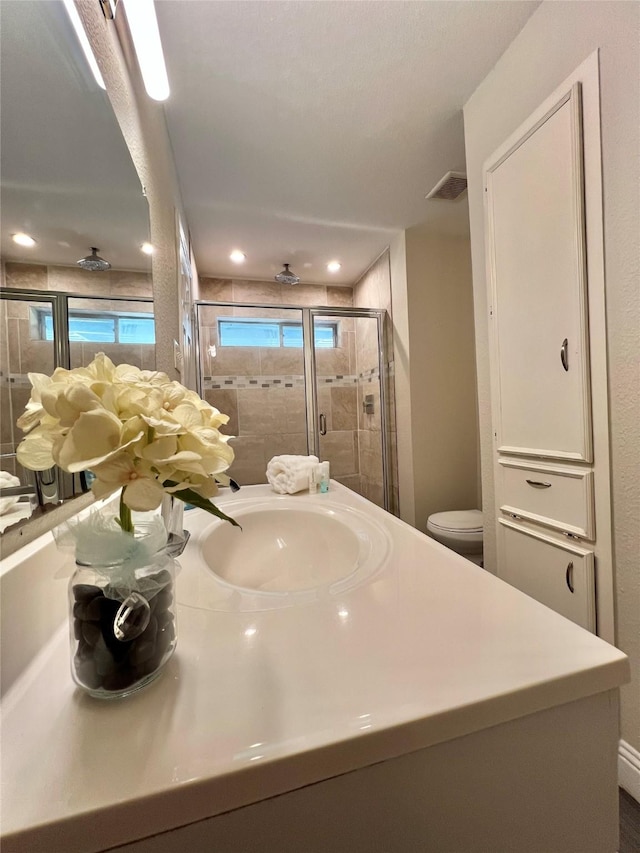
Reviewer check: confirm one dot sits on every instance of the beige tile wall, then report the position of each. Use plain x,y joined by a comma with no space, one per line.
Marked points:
74,280
373,290
272,421
272,293
338,400
369,425
21,352
266,421
269,421
6,409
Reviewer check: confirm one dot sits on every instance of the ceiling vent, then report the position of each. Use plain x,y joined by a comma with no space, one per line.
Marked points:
450,187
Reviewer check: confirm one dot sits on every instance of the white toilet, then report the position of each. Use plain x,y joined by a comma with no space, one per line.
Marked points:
460,530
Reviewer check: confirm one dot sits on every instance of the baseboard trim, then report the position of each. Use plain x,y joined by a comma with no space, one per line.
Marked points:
629,769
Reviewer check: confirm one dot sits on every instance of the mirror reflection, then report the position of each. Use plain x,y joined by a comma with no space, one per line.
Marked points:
68,183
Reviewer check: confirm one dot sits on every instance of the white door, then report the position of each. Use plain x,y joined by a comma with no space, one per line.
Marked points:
537,269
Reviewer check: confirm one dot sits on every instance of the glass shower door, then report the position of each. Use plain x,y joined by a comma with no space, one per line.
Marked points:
350,401
24,348
298,381
252,369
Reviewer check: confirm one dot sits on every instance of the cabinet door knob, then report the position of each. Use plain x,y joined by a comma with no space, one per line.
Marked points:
538,484
564,354
569,576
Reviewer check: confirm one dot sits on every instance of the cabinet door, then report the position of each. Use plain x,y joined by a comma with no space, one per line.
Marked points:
536,264
558,575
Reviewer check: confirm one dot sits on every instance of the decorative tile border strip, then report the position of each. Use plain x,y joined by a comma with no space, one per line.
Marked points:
15,380
341,380
370,376
21,380
235,383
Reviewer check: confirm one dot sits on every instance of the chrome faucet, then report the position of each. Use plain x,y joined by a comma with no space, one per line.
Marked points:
42,486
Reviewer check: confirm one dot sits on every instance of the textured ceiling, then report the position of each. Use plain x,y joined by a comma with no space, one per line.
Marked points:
303,131
307,131
67,177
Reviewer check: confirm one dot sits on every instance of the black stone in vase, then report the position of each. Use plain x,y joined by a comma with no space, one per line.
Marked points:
101,661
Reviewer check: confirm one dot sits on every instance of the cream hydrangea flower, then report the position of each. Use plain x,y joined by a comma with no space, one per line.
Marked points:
136,430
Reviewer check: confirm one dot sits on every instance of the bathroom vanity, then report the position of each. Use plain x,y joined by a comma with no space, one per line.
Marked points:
391,696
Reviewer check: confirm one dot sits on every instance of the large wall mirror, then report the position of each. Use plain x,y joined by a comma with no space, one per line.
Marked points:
68,181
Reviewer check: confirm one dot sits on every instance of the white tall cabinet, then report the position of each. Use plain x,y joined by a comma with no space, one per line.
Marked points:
543,216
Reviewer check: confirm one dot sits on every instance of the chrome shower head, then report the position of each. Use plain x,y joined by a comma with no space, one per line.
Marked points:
93,262
286,276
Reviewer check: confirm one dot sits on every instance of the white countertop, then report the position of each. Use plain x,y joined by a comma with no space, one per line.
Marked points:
255,703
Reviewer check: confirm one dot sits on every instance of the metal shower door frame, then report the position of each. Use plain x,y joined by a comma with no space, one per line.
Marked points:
313,424
59,301
60,314
310,373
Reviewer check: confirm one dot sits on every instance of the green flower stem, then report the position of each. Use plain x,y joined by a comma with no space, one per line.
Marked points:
191,497
125,521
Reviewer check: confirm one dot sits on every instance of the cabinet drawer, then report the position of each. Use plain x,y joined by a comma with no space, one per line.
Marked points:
561,498
558,575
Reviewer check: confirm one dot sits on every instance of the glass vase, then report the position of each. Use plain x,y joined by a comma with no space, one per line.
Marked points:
122,624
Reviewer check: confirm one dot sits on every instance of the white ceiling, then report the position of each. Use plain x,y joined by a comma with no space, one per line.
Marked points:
67,177
308,131
302,131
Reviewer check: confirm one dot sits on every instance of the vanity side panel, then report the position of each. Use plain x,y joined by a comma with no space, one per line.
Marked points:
543,782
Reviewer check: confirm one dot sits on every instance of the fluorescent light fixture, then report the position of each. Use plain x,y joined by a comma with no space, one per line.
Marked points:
23,240
147,248
334,266
237,256
84,41
143,24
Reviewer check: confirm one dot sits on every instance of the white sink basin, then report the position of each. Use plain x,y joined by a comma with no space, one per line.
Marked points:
287,546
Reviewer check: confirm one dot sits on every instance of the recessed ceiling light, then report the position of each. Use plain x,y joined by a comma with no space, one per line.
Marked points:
237,256
23,240
147,248
334,266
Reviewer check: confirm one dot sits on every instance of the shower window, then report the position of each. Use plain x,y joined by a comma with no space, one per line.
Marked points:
49,330
269,333
91,327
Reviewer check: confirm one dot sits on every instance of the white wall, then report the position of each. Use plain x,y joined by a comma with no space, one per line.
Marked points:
555,40
435,374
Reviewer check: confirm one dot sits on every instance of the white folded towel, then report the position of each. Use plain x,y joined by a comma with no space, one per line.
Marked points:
7,480
290,474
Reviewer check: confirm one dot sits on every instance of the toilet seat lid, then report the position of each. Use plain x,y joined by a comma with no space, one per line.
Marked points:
467,520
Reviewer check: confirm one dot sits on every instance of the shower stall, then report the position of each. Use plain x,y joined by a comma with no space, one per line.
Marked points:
41,330
299,381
